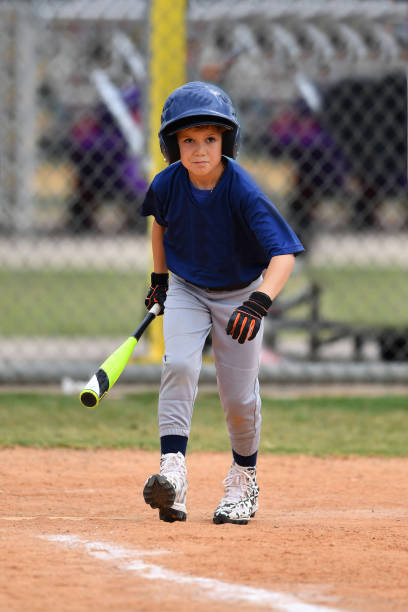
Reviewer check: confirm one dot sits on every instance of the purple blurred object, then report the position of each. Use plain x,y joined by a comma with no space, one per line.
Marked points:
100,151
104,165
299,135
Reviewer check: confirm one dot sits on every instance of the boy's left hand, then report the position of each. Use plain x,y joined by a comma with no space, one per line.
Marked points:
245,321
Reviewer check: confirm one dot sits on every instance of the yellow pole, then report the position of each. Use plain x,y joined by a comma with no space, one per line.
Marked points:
168,54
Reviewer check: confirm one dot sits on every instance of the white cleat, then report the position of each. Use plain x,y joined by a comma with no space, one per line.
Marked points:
168,490
240,501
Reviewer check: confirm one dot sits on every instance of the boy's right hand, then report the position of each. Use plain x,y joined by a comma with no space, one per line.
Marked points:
158,290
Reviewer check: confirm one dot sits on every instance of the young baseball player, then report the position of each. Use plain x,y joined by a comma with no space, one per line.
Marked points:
230,253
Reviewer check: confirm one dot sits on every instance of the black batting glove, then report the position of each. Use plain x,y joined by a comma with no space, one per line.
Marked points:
245,321
158,291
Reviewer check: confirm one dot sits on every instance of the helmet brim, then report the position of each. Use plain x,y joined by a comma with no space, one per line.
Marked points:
183,123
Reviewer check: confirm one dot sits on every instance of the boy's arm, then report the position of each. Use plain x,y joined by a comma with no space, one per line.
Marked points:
159,257
277,274
160,275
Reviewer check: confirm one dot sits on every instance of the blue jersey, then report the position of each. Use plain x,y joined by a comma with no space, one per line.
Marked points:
225,239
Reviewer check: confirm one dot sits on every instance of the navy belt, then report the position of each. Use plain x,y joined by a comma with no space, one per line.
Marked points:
221,289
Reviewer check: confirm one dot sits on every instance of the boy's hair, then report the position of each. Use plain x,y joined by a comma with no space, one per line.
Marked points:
194,104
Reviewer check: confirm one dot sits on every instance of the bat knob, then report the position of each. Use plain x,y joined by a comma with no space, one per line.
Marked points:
89,398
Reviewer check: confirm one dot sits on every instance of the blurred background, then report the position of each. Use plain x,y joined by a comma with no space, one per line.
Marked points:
321,92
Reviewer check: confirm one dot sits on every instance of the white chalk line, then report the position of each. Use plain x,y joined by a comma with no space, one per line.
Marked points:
133,560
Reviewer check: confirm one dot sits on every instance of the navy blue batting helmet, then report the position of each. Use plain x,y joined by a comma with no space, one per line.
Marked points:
198,103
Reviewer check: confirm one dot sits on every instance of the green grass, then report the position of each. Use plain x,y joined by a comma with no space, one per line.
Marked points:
362,296
81,302
314,426
70,302
365,296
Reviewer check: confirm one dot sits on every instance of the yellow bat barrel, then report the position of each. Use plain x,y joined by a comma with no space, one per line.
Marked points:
108,374
113,366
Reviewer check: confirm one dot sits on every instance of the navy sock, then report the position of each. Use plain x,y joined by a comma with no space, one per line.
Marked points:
243,461
173,444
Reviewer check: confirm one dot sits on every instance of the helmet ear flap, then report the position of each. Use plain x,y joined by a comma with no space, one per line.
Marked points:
169,147
230,143
163,148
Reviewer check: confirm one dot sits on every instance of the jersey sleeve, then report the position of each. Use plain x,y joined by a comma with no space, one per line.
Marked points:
152,205
272,231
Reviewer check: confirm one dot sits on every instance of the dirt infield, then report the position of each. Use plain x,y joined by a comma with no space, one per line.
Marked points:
76,535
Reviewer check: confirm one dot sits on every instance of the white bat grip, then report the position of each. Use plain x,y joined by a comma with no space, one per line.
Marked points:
155,309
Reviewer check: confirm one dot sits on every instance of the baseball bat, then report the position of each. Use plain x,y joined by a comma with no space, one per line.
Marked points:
110,370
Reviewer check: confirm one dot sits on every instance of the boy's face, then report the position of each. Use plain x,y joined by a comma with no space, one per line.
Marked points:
200,153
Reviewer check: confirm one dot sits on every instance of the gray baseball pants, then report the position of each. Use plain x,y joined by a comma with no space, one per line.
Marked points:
190,313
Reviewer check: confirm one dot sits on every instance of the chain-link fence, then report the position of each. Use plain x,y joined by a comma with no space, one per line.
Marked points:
321,92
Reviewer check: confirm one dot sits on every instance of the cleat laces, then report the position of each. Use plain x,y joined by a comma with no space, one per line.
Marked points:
173,467
239,484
